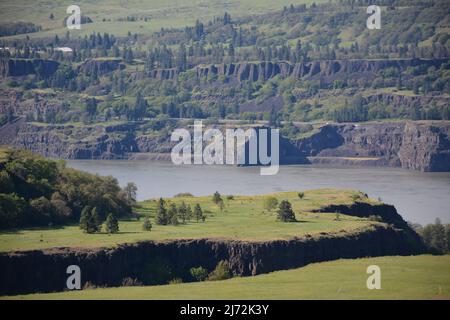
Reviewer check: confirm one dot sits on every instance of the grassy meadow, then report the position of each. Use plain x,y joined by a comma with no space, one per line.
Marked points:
108,15
243,218
415,277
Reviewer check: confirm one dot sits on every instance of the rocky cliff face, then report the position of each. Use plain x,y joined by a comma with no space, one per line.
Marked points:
100,66
23,67
72,142
158,262
328,70
421,146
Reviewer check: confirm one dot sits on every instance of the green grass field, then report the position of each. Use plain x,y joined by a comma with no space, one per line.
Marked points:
415,277
243,218
167,14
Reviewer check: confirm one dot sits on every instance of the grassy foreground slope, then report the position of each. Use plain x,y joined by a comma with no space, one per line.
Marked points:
243,218
415,277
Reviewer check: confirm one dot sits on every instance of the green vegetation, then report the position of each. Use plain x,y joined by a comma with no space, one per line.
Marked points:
36,191
127,65
436,236
416,277
244,219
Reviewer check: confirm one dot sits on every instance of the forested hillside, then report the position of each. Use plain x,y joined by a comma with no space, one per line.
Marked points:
300,63
35,191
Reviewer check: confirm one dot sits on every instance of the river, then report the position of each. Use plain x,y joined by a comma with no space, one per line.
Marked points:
419,197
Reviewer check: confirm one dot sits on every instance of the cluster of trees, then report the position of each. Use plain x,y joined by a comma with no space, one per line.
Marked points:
435,236
285,213
174,215
35,191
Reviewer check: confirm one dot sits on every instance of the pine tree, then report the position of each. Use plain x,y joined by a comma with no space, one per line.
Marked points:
161,213
285,212
173,215
183,212
84,217
112,225
189,213
198,213
217,198
95,224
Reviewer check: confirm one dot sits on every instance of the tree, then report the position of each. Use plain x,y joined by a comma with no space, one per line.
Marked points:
438,239
301,195
112,225
189,213
90,220
173,215
285,212
270,203
183,212
161,213
130,192
198,213
147,226
217,198
95,224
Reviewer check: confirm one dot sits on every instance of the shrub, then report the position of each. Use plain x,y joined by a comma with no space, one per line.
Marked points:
147,226
301,195
221,272
131,282
270,203
176,280
199,273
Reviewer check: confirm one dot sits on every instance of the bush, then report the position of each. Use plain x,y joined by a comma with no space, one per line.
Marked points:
176,280
301,195
221,272
270,203
199,273
147,225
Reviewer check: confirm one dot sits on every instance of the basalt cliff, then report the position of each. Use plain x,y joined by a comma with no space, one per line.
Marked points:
417,145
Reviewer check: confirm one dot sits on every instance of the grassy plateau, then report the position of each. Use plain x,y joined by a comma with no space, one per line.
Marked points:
243,218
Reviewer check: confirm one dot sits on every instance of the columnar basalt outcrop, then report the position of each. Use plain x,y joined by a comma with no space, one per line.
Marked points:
101,66
325,69
22,67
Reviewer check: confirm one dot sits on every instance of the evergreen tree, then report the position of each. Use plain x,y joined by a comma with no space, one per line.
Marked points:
84,218
112,225
285,212
173,215
189,213
183,212
217,198
161,213
198,213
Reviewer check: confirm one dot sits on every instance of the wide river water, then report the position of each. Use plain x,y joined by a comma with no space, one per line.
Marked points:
419,197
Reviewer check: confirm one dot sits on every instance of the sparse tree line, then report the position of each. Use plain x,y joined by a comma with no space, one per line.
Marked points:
435,236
